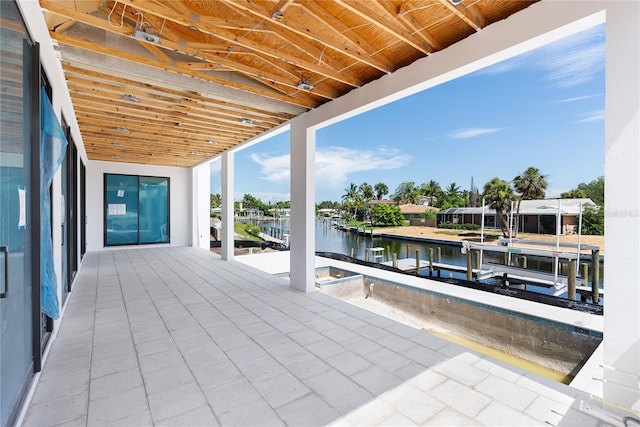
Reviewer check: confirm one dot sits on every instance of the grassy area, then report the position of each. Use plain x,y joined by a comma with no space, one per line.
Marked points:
238,228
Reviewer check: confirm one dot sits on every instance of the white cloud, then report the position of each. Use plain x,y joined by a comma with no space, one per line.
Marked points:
274,168
333,164
577,98
591,116
568,62
472,132
215,166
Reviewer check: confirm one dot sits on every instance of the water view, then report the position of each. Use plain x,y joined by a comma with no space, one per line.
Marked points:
331,239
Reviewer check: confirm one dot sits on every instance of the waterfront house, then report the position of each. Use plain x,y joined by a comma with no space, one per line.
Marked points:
411,211
536,216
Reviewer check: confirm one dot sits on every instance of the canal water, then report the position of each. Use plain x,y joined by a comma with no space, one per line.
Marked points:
330,239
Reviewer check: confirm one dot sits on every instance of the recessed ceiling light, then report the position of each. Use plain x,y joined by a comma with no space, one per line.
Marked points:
211,141
117,144
115,156
277,15
246,121
179,163
122,129
130,98
195,153
455,2
305,85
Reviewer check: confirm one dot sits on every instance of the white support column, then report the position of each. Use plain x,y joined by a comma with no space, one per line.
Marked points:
622,199
303,238
227,205
201,210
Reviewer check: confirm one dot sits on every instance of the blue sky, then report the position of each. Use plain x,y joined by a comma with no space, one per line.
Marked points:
543,109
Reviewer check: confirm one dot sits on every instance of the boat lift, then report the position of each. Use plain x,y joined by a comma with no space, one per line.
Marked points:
557,282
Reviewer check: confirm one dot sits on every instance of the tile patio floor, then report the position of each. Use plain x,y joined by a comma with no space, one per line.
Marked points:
176,336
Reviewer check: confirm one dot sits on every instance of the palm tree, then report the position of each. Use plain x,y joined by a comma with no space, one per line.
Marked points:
530,185
499,194
431,190
366,191
349,196
381,190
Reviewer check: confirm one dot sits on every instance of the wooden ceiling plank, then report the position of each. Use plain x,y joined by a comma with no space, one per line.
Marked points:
176,117
363,10
404,16
460,12
115,92
77,72
355,52
155,51
61,28
343,31
222,33
264,76
103,50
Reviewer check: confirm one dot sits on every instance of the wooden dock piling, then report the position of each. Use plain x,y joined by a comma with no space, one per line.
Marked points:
595,275
417,263
469,266
430,261
571,280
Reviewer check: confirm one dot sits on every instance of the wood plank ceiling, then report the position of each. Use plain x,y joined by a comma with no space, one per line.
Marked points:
176,82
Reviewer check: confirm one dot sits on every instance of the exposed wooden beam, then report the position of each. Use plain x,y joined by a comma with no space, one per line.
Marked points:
363,10
344,32
404,16
116,53
460,12
353,51
266,77
207,27
75,73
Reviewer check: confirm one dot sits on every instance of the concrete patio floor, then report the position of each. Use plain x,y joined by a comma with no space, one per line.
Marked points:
176,336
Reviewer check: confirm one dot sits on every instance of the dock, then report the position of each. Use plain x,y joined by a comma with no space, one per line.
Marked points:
408,265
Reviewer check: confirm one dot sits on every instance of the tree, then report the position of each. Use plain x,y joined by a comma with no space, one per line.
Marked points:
381,190
349,198
452,197
593,190
593,220
431,189
383,214
574,194
499,195
530,185
366,191
406,192
251,202
215,200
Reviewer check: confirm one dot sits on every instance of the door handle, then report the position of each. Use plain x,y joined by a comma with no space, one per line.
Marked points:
5,249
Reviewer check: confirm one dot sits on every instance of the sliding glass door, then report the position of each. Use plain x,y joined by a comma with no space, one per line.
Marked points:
19,298
136,209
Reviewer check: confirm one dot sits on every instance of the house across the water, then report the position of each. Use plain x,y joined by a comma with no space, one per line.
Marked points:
536,216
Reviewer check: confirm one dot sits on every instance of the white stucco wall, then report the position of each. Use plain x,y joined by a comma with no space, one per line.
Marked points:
179,199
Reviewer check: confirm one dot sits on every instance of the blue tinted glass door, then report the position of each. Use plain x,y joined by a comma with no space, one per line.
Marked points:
16,333
121,209
153,209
